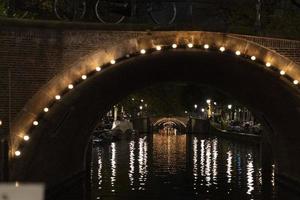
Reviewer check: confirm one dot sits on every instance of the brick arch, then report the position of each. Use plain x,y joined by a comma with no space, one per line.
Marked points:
88,66
177,121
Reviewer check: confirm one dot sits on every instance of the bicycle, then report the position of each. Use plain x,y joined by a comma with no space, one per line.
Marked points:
115,11
70,9
13,9
27,9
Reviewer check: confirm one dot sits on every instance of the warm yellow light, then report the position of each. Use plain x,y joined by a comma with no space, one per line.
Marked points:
57,97
253,58
112,62
229,106
35,123
46,109
174,46
190,45
282,72
222,49
83,77
143,51
268,64
70,86
17,184
206,46
17,153
98,69
158,48
0,122
296,82
26,137
237,53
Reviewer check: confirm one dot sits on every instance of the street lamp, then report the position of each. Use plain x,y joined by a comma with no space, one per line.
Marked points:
229,106
208,101
141,107
195,106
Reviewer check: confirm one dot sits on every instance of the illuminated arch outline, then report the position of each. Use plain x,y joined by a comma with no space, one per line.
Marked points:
168,119
16,151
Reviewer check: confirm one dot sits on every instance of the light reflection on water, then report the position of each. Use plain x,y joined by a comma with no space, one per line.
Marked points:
131,164
113,166
250,173
179,167
143,159
195,162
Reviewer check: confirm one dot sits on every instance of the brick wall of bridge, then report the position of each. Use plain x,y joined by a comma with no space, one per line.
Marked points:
30,56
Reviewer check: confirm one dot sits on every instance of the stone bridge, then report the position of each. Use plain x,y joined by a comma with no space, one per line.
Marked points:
56,79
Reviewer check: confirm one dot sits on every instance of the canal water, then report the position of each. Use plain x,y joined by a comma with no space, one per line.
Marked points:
165,166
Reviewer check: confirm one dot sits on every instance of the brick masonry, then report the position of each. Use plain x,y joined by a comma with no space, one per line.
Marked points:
30,56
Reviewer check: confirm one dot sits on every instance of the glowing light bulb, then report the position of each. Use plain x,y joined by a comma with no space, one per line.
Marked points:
70,86
174,46
18,153
222,49
229,106
83,77
268,64
253,58
112,62
35,123
26,137
296,82
143,51
206,46
208,101
237,53
158,48
46,109
57,97
98,69
282,72
195,106
190,45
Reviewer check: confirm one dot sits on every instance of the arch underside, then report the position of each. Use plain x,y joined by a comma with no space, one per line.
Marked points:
57,146
174,121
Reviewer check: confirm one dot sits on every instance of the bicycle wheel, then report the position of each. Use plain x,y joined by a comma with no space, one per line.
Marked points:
162,12
105,12
17,10
69,10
